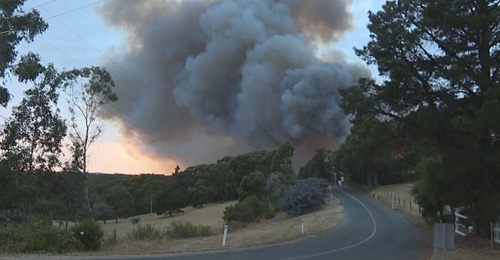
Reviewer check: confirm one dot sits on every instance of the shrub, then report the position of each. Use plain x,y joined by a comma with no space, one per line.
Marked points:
7,217
53,240
185,229
234,225
251,209
252,184
89,233
273,184
305,196
36,235
146,232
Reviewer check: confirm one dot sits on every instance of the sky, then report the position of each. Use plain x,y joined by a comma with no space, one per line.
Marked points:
77,37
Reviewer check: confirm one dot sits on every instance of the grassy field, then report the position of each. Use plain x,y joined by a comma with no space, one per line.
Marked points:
466,248
282,228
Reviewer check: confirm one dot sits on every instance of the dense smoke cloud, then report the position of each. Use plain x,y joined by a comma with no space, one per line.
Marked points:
199,80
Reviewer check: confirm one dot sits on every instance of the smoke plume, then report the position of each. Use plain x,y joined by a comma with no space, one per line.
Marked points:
199,80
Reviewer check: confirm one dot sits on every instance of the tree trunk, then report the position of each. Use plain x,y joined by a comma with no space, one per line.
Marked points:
86,193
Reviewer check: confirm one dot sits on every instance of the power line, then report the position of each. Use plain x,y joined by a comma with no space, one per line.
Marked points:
76,9
60,14
40,5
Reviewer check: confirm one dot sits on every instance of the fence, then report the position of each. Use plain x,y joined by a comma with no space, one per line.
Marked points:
398,202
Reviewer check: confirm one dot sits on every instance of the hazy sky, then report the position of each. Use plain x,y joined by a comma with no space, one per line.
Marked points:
77,37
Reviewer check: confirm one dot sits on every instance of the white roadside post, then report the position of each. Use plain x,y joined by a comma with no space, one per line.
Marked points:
224,236
302,227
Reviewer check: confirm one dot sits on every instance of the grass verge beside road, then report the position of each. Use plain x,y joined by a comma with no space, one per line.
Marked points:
279,229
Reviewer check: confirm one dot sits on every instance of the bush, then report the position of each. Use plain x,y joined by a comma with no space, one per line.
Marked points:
147,232
7,217
187,229
274,184
37,235
305,196
90,234
235,225
251,209
252,184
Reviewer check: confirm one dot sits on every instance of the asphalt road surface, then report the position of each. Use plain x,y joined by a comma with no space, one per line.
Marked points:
370,231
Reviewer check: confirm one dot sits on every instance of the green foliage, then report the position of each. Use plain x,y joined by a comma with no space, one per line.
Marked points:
372,155
441,69
32,137
282,156
17,25
185,229
251,209
274,184
119,199
434,190
170,200
146,232
36,235
252,184
10,216
305,196
94,91
319,166
89,233
200,194
102,211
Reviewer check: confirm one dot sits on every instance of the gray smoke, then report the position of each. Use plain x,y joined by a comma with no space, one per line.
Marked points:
198,80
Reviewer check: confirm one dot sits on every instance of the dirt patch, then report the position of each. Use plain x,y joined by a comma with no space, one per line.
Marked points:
282,228
467,248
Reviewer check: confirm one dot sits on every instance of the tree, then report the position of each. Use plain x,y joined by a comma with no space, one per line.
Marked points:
119,199
32,137
319,166
16,25
440,61
85,101
102,211
252,184
170,200
282,156
199,194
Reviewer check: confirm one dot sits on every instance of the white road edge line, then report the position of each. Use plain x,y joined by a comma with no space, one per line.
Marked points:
349,246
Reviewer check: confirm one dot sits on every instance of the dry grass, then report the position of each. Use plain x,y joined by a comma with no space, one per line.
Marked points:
466,248
210,215
279,229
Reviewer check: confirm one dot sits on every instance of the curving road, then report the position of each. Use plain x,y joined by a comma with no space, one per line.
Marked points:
370,231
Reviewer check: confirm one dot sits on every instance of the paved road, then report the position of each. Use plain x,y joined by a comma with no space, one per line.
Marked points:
370,231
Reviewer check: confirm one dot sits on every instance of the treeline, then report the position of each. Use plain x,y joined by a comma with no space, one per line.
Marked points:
118,195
